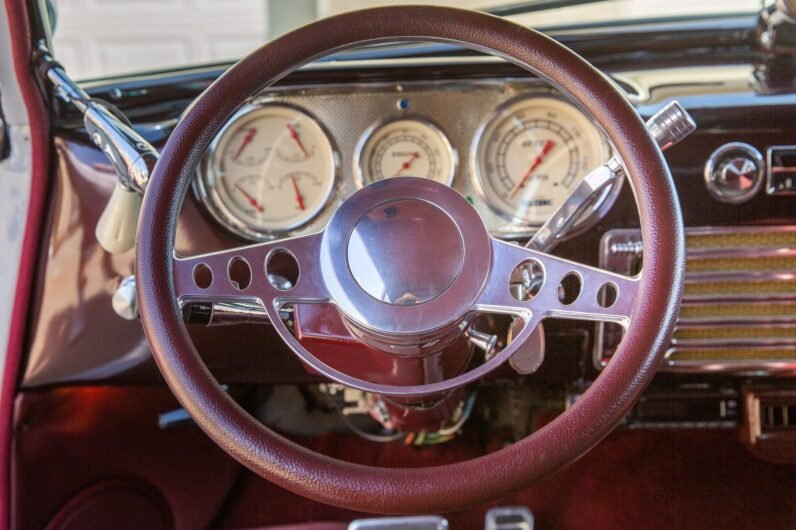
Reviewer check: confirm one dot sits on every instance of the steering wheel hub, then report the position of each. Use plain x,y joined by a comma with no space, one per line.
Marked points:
404,259
405,252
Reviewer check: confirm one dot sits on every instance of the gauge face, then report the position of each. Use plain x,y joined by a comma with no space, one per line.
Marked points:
271,169
532,153
410,147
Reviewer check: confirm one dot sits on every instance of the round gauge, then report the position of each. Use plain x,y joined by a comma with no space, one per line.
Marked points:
270,170
531,153
407,147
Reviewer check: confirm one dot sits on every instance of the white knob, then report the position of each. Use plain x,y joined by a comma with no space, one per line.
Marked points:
116,227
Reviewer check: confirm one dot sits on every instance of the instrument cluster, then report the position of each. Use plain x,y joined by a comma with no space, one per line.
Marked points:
515,150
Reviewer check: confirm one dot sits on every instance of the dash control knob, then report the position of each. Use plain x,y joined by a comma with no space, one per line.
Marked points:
734,172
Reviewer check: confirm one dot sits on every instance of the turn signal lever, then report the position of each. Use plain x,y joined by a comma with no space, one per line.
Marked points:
132,157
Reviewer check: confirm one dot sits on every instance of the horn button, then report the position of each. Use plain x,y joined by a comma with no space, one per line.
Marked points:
405,252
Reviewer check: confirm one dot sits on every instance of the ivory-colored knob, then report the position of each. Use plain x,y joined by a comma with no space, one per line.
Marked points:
118,223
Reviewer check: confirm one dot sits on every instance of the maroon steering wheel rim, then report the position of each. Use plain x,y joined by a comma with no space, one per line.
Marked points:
441,488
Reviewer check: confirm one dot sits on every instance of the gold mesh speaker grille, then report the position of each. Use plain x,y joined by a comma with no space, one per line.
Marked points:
741,238
739,302
733,355
740,298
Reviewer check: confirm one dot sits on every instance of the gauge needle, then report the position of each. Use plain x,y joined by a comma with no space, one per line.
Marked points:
246,141
256,205
299,198
548,146
406,165
295,136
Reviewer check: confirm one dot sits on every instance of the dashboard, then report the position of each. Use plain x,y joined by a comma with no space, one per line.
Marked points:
513,148
505,140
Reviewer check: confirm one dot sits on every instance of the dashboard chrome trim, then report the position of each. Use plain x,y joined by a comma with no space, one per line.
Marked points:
771,187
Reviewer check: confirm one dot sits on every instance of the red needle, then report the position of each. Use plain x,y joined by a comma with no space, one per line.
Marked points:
257,206
407,164
548,146
295,136
246,141
299,198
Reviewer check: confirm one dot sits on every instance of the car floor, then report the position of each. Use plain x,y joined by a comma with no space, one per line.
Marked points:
103,443
634,479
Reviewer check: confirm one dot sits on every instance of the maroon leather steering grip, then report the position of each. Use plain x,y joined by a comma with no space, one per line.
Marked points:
454,486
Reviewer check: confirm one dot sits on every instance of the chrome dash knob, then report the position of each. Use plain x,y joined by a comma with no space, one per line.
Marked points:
734,172
125,300
670,125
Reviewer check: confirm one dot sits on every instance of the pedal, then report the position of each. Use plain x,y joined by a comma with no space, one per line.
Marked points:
421,522
509,518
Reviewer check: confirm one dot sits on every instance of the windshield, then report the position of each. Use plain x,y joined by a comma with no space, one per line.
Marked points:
97,39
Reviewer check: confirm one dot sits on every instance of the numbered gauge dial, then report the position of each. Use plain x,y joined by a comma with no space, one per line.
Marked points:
532,153
410,147
270,170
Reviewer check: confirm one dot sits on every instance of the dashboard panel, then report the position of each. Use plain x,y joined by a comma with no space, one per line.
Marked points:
512,147
459,95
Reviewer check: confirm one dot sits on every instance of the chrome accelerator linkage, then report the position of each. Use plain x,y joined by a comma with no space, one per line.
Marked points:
132,157
668,126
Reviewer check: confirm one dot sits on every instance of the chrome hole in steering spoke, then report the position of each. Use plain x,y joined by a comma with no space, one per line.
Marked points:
525,281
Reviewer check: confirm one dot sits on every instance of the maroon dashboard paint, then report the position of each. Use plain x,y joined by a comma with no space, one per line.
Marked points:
77,336
39,122
434,489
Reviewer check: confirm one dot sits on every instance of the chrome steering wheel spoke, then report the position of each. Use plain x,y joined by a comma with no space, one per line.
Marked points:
533,285
272,274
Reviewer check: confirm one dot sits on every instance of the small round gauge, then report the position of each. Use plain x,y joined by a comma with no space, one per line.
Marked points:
531,153
270,169
406,147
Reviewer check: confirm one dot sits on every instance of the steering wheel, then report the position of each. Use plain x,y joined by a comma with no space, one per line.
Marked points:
349,265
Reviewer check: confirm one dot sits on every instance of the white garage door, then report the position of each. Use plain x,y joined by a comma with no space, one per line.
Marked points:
104,37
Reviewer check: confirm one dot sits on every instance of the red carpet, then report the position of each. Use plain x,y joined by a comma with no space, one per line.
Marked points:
71,440
634,479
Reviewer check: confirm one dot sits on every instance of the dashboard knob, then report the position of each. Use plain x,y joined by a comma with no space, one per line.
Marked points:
125,299
670,125
734,172
118,223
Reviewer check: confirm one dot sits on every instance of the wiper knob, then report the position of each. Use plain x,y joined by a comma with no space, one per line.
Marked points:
670,125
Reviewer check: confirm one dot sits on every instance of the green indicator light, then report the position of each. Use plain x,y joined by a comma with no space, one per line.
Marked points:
470,200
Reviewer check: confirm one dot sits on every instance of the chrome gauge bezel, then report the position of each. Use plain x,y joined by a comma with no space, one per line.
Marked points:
358,164
205,183
587,220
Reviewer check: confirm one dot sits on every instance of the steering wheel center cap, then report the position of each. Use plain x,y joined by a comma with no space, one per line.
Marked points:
405,251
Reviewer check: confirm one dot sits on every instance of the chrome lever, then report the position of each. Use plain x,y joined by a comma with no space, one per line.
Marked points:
132,157
668,127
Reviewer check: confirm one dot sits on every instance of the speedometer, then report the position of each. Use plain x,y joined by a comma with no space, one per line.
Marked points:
531,153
